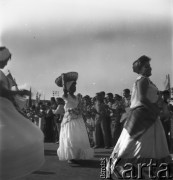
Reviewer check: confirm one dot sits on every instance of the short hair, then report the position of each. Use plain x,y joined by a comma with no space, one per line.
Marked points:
99,95
127,90
166,92
139,63
102,93
52,99
117,96
86,97
5,54
110,95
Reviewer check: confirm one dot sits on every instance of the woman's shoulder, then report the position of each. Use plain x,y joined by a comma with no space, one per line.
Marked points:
143,80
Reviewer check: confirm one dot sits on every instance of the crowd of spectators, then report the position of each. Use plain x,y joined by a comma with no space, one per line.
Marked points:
103,115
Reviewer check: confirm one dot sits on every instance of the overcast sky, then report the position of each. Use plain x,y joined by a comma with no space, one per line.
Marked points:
99,39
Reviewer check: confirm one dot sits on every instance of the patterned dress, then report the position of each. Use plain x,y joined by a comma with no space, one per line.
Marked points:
73,141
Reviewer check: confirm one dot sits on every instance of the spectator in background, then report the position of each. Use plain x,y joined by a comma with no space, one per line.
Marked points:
53,103
116,126
126,99
59,114
110,116
126,102
88,118
165,115
49,124
103,94
101,123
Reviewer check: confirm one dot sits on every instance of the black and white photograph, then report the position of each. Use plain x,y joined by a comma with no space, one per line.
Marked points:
86,89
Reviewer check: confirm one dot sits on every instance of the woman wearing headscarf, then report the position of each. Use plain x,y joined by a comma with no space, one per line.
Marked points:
73,142
21,142
142,141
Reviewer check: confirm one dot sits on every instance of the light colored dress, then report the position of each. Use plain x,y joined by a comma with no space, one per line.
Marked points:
152,144
74,141
21,142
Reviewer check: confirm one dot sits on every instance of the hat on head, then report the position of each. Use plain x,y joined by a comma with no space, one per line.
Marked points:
70,76
4,54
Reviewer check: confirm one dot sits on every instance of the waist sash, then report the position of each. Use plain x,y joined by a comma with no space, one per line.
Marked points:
138,120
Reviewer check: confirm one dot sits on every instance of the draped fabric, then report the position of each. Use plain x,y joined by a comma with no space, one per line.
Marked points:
74,141
142,139
21,141
138,120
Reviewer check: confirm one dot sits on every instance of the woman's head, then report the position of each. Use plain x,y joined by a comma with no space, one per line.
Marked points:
142,66
5,56
71,87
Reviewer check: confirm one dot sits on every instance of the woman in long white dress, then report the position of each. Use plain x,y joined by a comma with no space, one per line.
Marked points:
142,141
21,142
74,142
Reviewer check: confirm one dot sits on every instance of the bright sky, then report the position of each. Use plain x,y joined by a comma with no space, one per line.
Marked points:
99,39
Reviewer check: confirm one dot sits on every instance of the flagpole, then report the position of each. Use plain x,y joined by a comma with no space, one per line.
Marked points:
169,85
30,98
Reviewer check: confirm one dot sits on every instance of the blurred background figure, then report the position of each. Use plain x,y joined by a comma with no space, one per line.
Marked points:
102,133
49,130
58,116
165,115
22,146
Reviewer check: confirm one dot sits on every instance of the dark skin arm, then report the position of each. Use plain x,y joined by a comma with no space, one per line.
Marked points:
64,85
142,86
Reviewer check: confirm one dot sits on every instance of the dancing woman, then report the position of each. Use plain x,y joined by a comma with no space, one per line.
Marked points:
142,140
73,142
21,142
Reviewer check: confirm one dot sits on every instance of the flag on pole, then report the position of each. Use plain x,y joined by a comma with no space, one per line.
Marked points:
167,84
11,80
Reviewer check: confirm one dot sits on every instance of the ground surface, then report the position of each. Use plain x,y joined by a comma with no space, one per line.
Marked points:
53,169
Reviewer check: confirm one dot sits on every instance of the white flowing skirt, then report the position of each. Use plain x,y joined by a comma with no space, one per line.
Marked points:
74,141
151,145
21,143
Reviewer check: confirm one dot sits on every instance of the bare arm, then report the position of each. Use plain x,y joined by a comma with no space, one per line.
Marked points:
64,85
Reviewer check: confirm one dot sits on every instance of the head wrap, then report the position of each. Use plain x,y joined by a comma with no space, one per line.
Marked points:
68,84
70,76
4,54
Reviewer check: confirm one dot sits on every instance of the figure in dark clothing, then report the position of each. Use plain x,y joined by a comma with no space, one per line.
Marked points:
49,124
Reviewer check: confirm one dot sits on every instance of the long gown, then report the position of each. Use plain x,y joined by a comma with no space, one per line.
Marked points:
74,141
136,147
21,141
